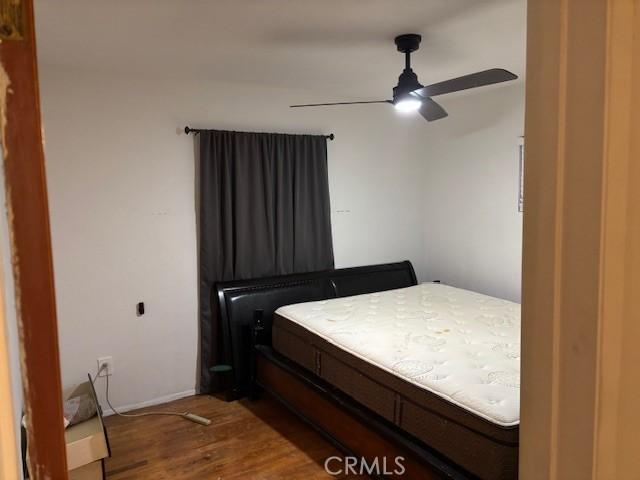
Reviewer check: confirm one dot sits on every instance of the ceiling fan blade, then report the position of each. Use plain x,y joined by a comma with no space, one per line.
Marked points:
473,80
338,103
431,110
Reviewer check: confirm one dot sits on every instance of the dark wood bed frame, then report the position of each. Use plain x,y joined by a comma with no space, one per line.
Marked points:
350,427
246,309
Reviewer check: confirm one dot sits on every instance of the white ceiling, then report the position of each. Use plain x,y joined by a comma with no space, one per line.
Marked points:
338,48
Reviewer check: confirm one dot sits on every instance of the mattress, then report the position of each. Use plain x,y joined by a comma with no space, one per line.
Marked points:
441,363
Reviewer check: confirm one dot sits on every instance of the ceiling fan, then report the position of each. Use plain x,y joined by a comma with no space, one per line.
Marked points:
410,95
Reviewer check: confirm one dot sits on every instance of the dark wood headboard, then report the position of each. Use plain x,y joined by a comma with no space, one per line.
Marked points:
240,300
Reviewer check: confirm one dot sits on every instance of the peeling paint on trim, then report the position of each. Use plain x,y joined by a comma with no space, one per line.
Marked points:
5,84
17,294
5,90
30,240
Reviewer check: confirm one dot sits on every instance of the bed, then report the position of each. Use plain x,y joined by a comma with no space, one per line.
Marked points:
439,362
384,367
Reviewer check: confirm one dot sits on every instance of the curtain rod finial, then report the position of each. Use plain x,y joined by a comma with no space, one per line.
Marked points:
331,136
187,130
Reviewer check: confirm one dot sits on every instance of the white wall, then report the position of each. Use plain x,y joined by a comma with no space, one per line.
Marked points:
472,227
121,187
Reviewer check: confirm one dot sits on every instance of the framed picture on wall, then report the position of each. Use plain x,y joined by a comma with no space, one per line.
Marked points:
521,174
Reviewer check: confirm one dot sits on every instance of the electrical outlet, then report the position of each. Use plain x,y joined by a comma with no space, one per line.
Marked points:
108,361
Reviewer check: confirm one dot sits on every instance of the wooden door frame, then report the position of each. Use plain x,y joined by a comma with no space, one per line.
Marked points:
28,220
581,253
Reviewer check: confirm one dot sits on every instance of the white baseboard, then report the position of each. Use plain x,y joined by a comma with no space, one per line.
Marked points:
149,403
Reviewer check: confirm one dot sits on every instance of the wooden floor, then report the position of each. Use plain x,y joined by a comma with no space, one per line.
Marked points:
246,440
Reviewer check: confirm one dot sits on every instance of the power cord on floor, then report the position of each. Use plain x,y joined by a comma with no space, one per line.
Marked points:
186,415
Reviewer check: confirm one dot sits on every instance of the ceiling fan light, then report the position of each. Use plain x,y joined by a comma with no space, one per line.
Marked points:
408,105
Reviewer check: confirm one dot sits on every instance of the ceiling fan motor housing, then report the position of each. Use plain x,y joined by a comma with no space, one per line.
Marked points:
407,83
408,80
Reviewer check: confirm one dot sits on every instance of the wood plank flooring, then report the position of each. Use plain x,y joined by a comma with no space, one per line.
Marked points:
246,440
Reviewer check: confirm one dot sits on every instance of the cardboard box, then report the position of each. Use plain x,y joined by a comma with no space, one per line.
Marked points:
91,471
87,443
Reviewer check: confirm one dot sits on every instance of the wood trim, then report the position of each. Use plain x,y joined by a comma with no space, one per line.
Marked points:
31,252
581,243
539,277
617,420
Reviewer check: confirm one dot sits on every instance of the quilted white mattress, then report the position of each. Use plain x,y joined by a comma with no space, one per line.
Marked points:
460,345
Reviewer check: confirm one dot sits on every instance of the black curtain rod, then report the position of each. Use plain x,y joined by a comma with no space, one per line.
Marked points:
189,130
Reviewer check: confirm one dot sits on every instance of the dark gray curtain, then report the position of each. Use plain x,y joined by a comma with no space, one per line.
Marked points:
264,210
